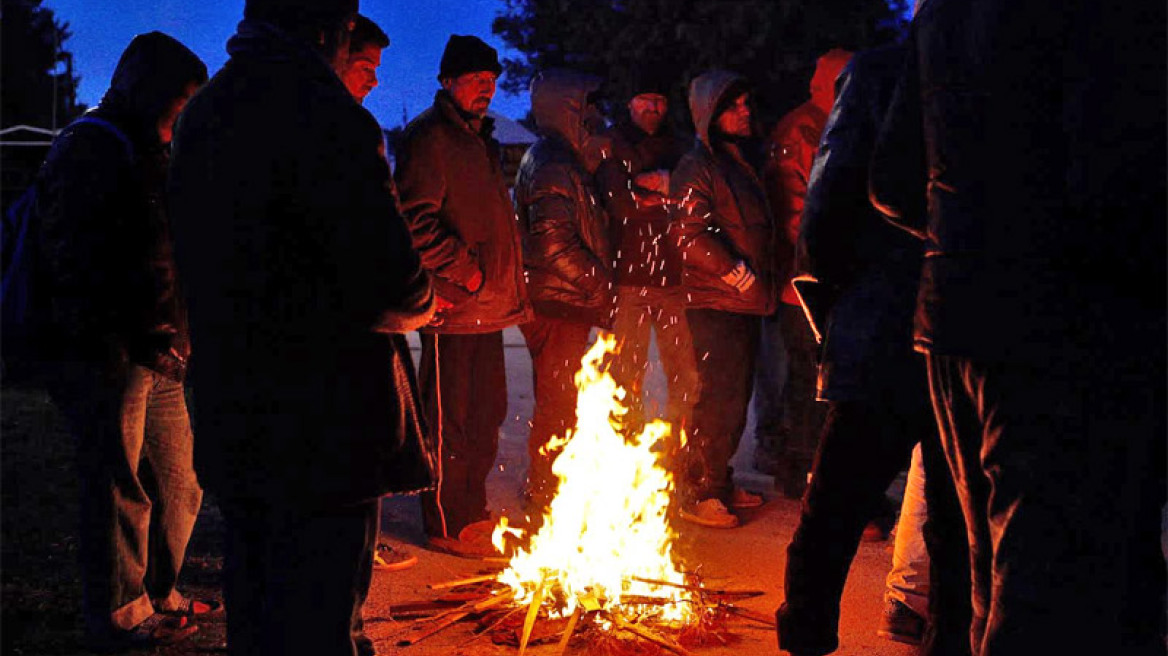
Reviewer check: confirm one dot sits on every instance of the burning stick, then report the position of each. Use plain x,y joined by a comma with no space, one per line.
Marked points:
568,631
646,634
532,612
740,594
457,582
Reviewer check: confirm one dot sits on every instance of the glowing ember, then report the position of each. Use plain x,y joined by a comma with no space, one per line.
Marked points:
607,524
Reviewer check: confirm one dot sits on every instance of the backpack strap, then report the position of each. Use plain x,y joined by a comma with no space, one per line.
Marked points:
111,128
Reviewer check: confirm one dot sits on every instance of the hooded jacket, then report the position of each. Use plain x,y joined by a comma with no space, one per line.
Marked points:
455,200
724,216
105,236
566,247
296,260
790,149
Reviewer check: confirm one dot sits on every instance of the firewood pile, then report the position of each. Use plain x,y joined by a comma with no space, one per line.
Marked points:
632,628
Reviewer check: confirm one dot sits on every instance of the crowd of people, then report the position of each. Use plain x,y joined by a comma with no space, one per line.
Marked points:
989,192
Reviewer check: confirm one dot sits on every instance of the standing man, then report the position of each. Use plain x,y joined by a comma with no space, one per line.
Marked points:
727,240
118,346
633,182
789,418
366,42
566,253
1032,164
455,200
296,263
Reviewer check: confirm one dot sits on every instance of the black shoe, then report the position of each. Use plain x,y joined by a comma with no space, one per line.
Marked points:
901,623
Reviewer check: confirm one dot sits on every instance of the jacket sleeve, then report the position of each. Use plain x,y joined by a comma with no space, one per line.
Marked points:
898,176
837,194
621,197
693,185
421,185
553,234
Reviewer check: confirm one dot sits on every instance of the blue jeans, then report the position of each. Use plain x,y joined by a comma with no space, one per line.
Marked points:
139,494
769,380
908,580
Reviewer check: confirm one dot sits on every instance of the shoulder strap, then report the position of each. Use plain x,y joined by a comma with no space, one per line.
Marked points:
112,129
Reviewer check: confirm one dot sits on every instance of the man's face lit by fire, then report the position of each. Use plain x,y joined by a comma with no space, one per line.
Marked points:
472,92
648,111
360,76
735,120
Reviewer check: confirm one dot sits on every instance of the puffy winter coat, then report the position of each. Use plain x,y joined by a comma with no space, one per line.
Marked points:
725,216
295,261
1031,162
455,200
566,247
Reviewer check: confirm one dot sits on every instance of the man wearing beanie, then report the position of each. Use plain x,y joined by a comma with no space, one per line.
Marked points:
116,346
296,264
634,185
455,200
727,240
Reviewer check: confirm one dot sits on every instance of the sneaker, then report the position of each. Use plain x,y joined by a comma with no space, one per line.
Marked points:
156,630
473,541
901,623
711,512
387,558
741,499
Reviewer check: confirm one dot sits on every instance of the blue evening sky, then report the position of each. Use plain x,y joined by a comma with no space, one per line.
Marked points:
417,30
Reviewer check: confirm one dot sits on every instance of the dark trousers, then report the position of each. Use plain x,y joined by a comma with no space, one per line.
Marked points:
864,445
556,347
463,381
294,578
139,494
725,346
803,416
1061,474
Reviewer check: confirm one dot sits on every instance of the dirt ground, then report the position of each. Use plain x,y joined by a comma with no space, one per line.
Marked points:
39,613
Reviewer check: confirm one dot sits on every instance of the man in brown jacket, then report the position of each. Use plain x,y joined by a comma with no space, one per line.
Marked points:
456,203
727,241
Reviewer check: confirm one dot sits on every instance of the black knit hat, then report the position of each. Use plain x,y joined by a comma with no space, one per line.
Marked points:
656,78
300,13
467,54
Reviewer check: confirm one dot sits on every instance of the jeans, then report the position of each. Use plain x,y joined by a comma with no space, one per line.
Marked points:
1061,473
467,388
139,494
908,580
556,347
639,311
294,579
725,346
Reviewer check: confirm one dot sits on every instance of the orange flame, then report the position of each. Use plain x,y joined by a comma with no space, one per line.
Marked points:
607,523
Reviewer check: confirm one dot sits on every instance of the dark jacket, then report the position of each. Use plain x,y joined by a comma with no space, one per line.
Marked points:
455,200
1040,161
865,268
566,247
105,236
295,259
647,252
725,216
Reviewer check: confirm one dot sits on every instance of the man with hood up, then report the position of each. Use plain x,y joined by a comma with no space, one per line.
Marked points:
455,200
119,345
566,254
297,263
788,417
727,241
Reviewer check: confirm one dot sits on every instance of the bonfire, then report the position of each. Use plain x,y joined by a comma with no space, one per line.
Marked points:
601,565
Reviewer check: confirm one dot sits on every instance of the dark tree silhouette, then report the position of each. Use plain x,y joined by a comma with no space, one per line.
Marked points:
36,71
773,42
